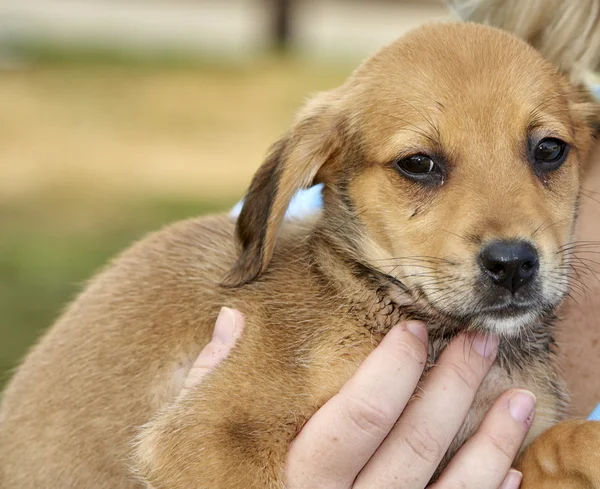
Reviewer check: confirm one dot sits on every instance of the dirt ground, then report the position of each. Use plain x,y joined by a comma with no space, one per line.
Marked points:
97,130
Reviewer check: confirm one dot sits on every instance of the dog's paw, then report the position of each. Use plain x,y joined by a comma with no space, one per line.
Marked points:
567,456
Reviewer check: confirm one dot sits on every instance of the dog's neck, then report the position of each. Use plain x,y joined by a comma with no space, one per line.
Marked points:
372,298
377,302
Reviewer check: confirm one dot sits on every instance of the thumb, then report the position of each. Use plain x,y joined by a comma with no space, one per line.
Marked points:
228,329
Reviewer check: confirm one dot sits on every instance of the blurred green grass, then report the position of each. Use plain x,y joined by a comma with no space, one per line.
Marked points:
57,51
48,251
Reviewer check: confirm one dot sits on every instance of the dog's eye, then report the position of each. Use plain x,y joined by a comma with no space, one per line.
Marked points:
420,168
549,154
416,164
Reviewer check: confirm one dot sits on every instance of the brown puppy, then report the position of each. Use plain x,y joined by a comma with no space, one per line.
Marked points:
451,161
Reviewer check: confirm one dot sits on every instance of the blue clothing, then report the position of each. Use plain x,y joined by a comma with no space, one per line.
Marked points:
595,416
304,203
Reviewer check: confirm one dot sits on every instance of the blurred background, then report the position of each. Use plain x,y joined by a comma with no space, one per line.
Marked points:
118,116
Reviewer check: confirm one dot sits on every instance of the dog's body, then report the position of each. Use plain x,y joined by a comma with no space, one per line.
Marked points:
86,411
388,245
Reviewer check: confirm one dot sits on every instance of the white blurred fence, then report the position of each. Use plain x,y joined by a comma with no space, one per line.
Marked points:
321,27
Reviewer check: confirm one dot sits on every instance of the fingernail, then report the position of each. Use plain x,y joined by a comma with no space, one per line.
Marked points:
418,329
512,480
486,346
225,326
521,406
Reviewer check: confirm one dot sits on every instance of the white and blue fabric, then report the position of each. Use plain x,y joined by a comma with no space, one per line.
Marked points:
305,203
595,416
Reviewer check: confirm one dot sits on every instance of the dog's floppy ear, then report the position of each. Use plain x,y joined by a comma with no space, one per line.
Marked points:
566,32
296,161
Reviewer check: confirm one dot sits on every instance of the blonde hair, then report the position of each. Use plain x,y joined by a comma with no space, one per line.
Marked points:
566,32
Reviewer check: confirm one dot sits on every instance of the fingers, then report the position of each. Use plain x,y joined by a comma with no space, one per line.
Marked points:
414,448
483,462
361,427
512,480
341,437
228,329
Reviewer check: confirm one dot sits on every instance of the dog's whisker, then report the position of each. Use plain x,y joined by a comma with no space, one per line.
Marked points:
552,224
592,198
543,223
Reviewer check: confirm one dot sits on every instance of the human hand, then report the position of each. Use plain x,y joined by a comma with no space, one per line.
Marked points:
369,435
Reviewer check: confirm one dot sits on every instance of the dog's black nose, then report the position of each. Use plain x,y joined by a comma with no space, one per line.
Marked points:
510,264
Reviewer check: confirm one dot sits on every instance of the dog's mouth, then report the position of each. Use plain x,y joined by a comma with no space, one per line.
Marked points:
508,310
508,318
458,303
504,315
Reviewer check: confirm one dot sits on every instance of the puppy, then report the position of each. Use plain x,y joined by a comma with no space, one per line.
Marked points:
451,163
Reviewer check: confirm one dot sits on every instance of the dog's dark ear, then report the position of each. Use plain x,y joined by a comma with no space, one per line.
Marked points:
296,161
566,32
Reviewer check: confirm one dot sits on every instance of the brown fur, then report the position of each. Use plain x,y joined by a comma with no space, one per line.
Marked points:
567,456
317,297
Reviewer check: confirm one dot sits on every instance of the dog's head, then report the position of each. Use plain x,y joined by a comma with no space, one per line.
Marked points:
451,161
